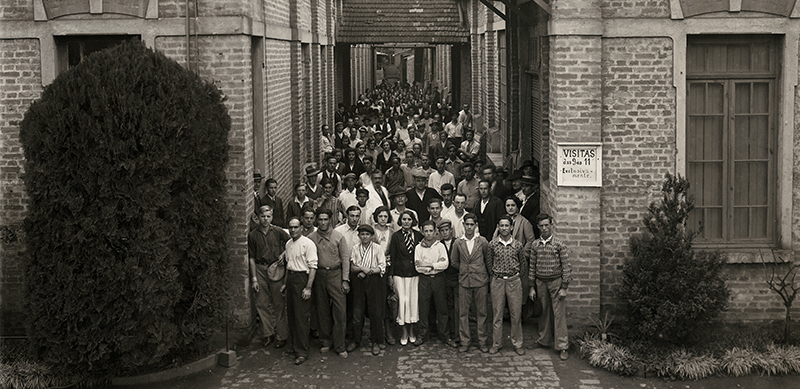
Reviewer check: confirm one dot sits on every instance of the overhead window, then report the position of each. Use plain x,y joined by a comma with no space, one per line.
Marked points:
73,49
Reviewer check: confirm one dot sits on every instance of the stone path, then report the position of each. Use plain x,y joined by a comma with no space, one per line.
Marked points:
432,365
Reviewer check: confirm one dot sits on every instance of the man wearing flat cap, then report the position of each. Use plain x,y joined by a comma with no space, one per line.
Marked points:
419,195
367,267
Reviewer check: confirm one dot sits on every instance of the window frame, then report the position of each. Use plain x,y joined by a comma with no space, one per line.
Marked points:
729,80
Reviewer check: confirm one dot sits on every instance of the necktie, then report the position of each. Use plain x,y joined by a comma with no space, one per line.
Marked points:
409,238
383,198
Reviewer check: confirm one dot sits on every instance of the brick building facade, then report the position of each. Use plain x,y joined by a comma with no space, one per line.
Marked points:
643,79
273,60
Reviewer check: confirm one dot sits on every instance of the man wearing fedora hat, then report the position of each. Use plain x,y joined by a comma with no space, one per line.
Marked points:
314,191
530,202
419,195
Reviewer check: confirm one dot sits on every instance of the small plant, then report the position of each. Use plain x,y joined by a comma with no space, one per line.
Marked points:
669,289
786,287
780,360
686,366
613,358
603,325
738,362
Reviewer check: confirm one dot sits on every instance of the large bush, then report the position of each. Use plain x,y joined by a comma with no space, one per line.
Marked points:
125,233
670,290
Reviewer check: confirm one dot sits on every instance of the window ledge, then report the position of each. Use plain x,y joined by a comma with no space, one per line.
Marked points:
765,255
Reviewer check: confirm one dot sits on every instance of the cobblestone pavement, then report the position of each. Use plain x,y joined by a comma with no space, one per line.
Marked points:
434,365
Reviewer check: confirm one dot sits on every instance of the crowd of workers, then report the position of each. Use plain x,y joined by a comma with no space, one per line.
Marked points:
408,224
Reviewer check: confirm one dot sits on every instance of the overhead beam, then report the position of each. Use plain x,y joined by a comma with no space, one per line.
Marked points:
511,5
494,9
544,6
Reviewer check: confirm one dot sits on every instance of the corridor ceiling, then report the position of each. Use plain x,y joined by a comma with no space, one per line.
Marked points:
402,21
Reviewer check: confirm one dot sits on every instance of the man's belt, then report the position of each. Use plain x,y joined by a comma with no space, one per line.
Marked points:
506,276
337,267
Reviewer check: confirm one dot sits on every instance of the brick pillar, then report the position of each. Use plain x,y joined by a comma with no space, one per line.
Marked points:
575,114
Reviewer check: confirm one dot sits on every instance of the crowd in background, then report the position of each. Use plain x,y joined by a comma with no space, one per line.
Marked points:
403,215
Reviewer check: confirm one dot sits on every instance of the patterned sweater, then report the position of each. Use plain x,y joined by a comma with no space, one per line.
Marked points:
550,260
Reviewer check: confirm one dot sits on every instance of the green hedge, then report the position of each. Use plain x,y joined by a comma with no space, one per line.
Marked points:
125,234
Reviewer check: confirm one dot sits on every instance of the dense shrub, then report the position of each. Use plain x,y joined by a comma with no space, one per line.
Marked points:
669,289
126,255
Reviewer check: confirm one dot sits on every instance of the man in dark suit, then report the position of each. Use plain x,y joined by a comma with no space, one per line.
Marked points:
419,195
530,204
497,188
271,198
488,209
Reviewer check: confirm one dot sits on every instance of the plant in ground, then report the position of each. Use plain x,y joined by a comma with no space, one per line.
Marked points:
669,289
786,287
126,247
739,362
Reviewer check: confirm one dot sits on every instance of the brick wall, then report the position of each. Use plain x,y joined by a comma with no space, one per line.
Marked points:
575,99
177,8
751,300
16,9
278,123
635,9
492,85
581,9
276,12
21,82
638,144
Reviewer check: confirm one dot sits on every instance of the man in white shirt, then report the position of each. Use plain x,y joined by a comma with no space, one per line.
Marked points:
348,196
349,229
440,176
378,194
470,147
362,195
448,209
301,266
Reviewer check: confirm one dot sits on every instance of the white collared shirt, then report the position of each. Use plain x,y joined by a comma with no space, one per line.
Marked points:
470,242
301,254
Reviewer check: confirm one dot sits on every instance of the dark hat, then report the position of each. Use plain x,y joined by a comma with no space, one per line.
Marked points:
366,228
311,170
527,180
361,191
526,163
397,192
257,176
418,172
445,222
515,176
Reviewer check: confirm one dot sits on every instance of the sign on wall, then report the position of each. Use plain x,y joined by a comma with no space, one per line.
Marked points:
580,164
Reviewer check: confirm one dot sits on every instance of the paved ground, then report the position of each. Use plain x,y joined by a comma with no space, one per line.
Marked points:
434,365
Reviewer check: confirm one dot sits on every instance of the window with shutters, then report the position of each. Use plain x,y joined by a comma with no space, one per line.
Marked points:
730,138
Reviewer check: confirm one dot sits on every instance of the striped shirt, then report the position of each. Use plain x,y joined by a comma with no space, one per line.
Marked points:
550,260
371,256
